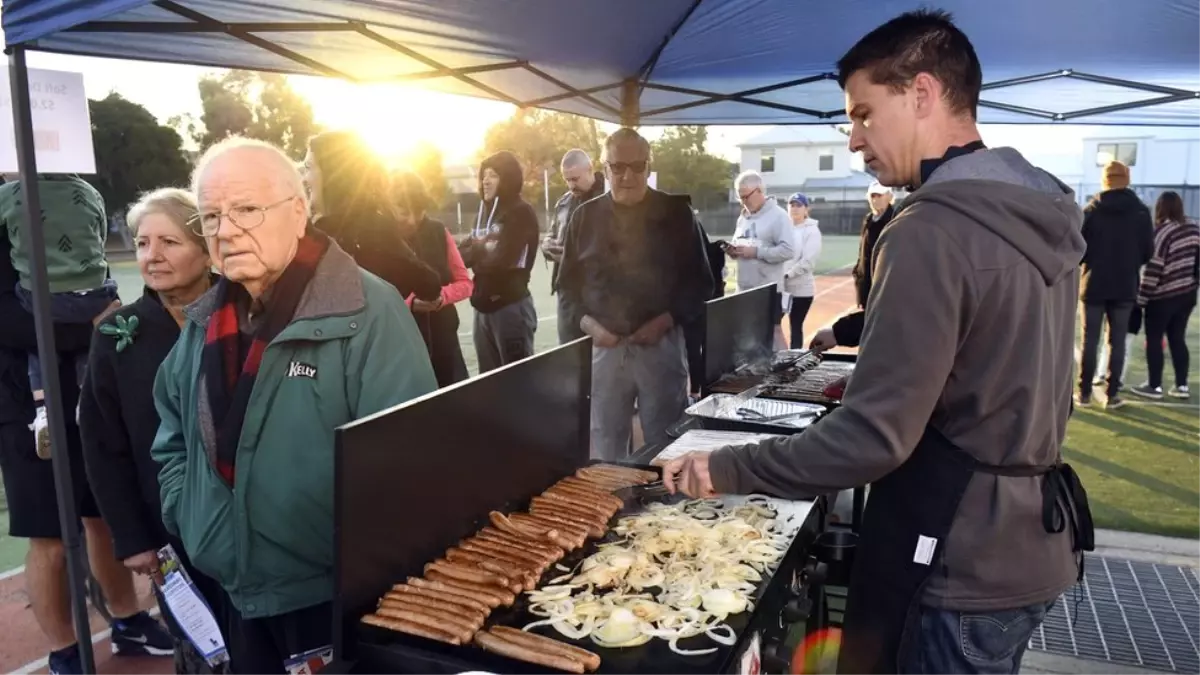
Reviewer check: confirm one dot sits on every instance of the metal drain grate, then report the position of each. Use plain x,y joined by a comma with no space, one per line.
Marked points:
1132,613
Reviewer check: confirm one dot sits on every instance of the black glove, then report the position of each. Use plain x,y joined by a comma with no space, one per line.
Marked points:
1135,320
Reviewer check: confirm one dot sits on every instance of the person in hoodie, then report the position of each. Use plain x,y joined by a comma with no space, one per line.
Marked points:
847,330
582,185
762,243
1120,239
958,406
799,284
634,274
501,251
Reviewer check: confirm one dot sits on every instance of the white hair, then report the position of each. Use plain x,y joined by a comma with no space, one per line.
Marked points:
576,159
285,173
750,179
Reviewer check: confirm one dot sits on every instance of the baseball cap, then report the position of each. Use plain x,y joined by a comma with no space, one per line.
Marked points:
798,198
878,188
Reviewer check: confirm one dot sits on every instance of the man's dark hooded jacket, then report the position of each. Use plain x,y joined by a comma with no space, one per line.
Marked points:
502,260
1120,239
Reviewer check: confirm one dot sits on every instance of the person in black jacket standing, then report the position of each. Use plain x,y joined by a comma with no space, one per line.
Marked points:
634,274
583,185
501,250
117,416
349,195
847,331
1120,239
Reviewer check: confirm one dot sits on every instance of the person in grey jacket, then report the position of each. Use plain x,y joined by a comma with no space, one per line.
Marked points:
957,410
799,280
762,243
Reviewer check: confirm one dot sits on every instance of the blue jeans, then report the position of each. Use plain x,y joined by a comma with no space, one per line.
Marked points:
973,642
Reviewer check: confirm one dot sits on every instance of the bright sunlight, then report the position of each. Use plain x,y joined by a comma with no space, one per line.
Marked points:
395,119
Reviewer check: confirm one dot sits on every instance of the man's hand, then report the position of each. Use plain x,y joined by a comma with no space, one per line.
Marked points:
552,249
689,475
652,332
601,336
823,341
145,563
428,305
747,252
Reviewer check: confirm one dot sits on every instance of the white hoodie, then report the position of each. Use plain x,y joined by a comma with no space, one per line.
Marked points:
770,231
798,280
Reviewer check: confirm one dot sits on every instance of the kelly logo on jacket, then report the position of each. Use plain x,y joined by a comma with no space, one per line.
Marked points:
300,369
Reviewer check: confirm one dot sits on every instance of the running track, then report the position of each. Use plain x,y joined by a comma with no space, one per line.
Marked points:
23,649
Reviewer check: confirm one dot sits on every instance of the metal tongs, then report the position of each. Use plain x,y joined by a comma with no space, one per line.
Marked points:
730,406
752,415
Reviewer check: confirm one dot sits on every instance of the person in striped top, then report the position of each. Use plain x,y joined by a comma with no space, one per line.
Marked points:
1168,292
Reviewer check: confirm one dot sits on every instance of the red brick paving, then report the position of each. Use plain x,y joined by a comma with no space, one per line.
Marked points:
23,642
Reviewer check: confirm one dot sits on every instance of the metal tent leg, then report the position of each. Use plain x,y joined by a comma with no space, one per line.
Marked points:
18,73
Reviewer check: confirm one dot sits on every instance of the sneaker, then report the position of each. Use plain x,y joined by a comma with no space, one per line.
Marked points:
41,432
66,661
140,635
1180,392
1099,381
1146,391
1114,402
1083,400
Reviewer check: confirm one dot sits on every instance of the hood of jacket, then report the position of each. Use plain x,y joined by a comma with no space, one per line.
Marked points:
1025,206
512,178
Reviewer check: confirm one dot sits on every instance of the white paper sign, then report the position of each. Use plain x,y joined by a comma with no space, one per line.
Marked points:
62,127
925,548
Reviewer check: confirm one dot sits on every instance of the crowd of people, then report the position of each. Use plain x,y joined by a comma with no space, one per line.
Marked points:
282,301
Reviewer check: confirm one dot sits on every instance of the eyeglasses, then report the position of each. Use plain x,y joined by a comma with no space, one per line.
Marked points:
247,218
748,195
619,168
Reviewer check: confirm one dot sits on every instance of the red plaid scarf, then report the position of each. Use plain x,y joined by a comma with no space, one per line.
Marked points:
230,360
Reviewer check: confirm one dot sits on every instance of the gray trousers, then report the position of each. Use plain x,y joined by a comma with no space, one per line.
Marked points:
506,335
654,378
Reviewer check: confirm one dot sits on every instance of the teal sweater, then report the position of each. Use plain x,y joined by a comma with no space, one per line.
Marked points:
75,227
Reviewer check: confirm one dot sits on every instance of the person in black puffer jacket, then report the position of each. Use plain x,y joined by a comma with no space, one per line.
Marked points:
348,190
501,251
1119,234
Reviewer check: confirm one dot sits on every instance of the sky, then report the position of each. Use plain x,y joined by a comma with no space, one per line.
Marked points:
398,116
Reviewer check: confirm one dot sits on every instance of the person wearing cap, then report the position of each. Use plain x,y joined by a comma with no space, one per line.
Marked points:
799,284
762,242
847,331
1120,239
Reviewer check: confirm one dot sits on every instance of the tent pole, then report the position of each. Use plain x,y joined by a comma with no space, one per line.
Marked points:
18,74
631,94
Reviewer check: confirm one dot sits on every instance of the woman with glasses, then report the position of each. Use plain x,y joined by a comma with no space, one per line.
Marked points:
117,416
348,188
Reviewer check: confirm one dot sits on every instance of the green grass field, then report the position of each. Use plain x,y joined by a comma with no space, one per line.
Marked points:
1140,464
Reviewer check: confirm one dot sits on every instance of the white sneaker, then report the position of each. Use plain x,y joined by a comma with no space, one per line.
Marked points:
1180,392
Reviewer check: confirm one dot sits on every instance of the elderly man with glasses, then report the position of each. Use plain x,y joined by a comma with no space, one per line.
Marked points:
762,243
292,342
634,272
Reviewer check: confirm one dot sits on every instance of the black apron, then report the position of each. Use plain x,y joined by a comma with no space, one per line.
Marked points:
908,517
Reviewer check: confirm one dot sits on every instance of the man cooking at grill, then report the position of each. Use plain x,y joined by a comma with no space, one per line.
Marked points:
634,272
958,406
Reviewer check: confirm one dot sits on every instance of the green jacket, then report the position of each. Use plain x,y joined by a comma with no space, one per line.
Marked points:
76,228
353,349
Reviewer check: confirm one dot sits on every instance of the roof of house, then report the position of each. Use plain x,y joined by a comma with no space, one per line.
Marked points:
795,135
856,179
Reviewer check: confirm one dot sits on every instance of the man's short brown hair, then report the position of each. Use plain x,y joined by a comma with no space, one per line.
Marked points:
923,41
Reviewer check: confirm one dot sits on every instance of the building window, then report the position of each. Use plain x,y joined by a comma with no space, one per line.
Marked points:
1125,153
825,161
767,164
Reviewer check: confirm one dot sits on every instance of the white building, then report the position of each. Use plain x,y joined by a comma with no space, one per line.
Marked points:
1162,156
814,160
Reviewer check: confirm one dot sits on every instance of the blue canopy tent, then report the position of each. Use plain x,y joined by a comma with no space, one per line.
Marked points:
656,62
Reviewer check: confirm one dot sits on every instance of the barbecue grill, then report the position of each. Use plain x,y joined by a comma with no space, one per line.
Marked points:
804,382
409,485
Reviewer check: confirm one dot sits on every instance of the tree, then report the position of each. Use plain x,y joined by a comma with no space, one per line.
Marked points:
539,139
134,153
256,105
684,166
426,160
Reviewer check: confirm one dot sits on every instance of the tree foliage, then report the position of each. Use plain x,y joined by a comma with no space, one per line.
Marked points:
134,153
256,105
539,139
684,166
